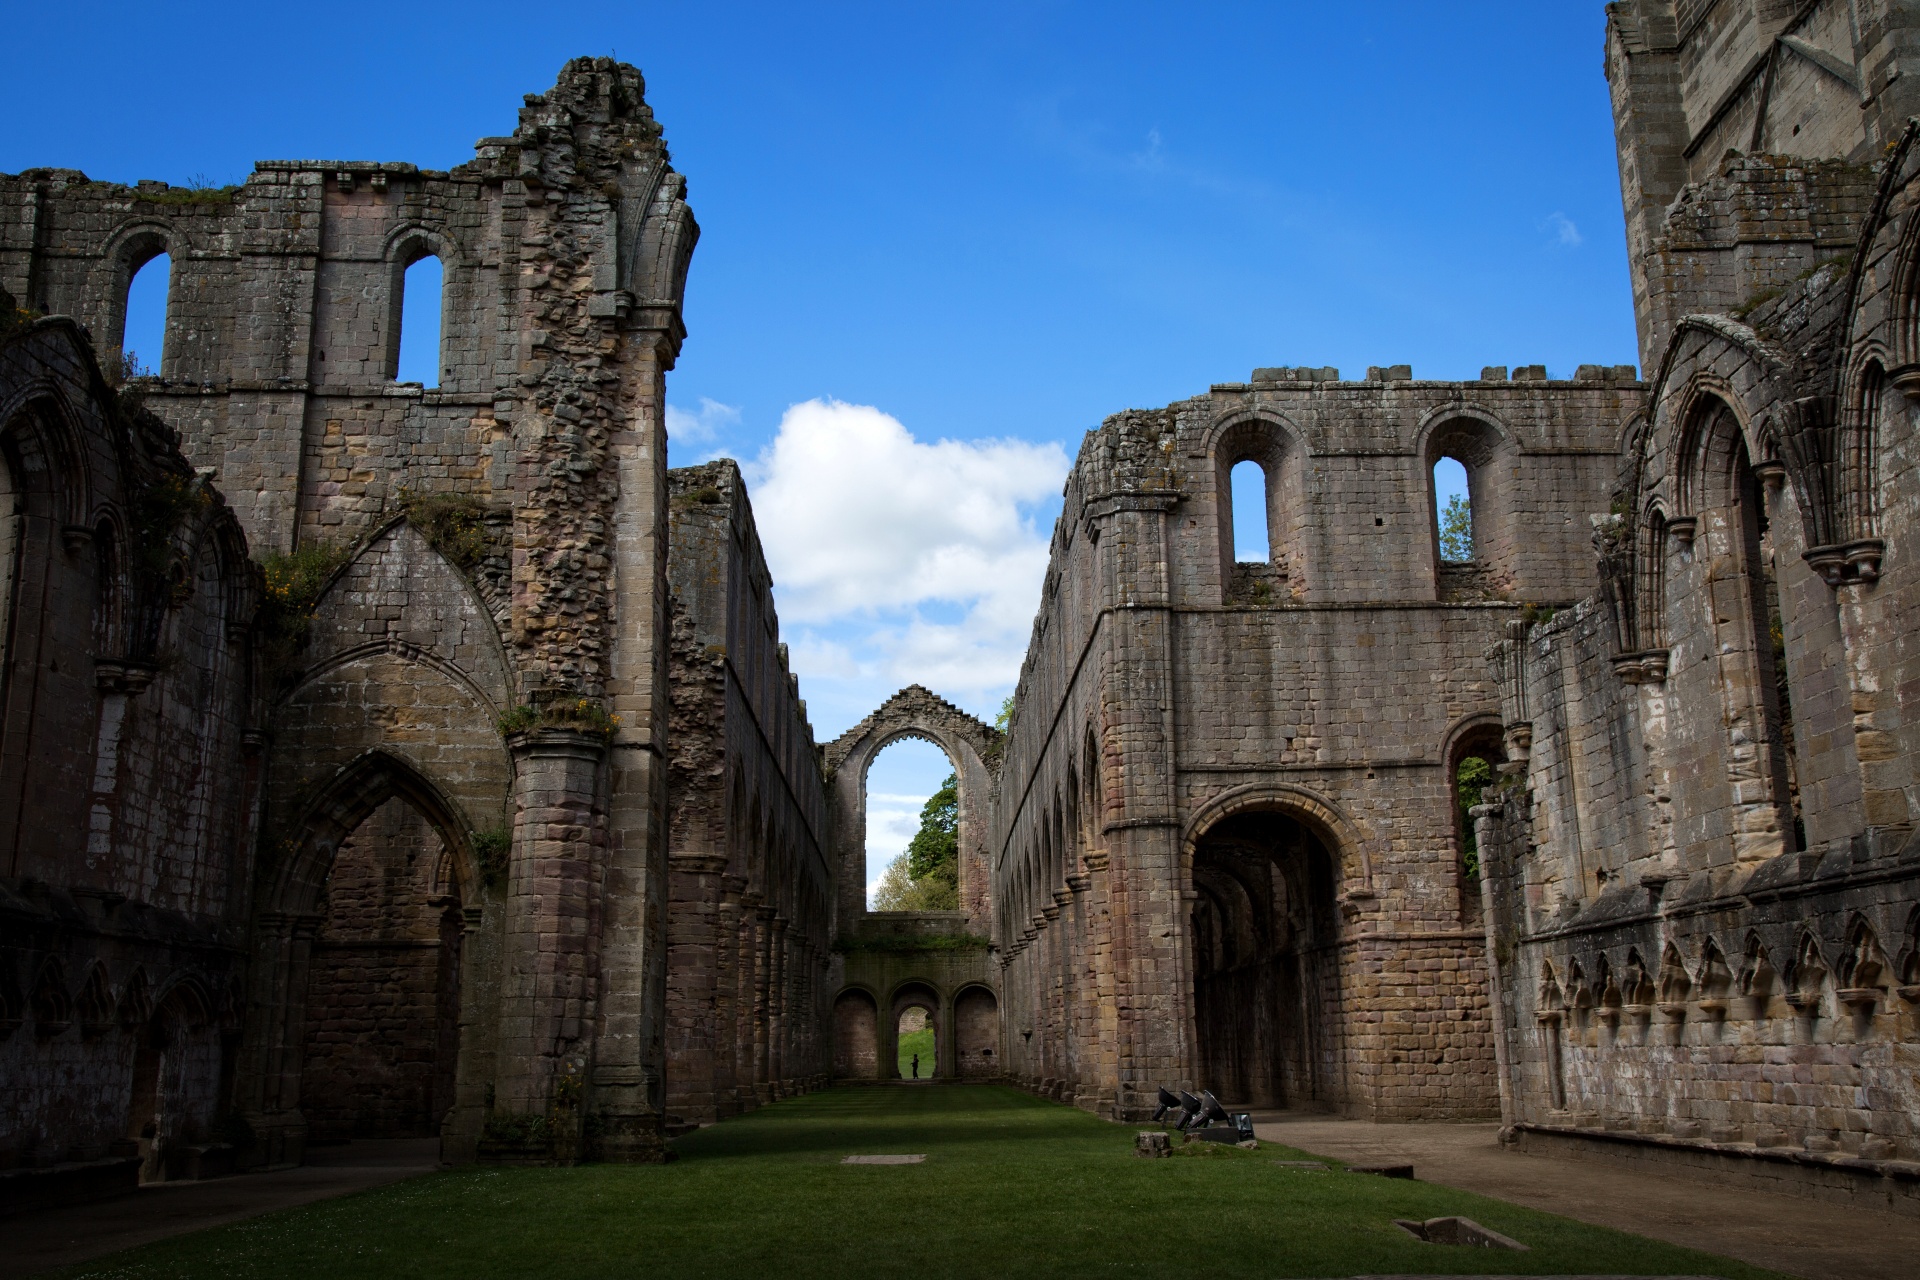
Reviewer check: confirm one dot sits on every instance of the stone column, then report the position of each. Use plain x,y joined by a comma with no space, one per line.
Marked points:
460,1133
726,1004
692,1024
777,1007
546,998
762,1001
270,1097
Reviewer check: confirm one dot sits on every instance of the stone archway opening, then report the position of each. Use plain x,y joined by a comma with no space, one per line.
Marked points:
918,1053
382,1024
918,1033
1264,934
976,1034
912,851
856,1037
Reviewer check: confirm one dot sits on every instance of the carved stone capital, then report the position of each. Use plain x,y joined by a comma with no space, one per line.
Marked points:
1907,378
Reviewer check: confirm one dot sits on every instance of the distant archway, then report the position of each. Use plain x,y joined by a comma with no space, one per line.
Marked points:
925,1000
914,712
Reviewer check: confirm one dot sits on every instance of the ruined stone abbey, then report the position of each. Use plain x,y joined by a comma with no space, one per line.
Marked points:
388,760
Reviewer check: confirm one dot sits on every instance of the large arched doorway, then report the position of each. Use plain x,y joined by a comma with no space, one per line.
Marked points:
1264,933
383,992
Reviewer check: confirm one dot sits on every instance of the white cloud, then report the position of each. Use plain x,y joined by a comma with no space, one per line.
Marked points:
702,425
1563,229
892,823
897,561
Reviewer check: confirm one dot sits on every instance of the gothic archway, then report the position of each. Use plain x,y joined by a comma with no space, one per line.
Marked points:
1264,929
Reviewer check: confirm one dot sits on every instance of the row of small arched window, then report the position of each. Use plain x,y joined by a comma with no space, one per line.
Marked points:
1452,512
144,335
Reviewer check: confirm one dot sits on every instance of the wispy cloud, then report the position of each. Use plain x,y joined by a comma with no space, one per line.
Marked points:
1562,229
700,428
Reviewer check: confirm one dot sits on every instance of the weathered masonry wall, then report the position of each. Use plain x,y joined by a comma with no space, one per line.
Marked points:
1695,81
1701,872
480,591
128,752
750,898
1247,767
1707,879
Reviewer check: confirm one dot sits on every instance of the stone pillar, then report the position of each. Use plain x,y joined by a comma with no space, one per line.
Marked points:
546,998
461,1131
762,1001
693,1024
777,1007
726,1003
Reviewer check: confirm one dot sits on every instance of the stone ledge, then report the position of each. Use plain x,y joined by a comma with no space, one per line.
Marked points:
1891,1184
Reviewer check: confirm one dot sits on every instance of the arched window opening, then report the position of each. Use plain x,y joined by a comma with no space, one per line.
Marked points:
1251,544
917,1048
913,829
1736,584
421,288
1453,511
143,339
1473,765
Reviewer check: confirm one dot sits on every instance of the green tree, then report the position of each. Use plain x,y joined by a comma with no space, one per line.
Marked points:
1470,781
1456,530
1005,717
927,876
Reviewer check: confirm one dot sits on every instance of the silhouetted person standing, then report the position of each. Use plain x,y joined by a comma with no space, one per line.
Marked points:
916,1066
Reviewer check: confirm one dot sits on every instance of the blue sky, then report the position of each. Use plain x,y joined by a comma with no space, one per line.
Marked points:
983,225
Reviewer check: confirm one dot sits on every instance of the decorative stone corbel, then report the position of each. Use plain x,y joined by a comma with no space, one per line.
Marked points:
1907,378
1863,559
1680,529
123,675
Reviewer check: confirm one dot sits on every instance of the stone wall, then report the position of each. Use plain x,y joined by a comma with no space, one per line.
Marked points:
488,642
750,912
1702,875
1167,693
127,771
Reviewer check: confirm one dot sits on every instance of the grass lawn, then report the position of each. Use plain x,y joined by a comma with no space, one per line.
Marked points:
920,1042
1012,1186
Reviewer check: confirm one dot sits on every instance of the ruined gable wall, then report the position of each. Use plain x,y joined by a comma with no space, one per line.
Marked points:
565,247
